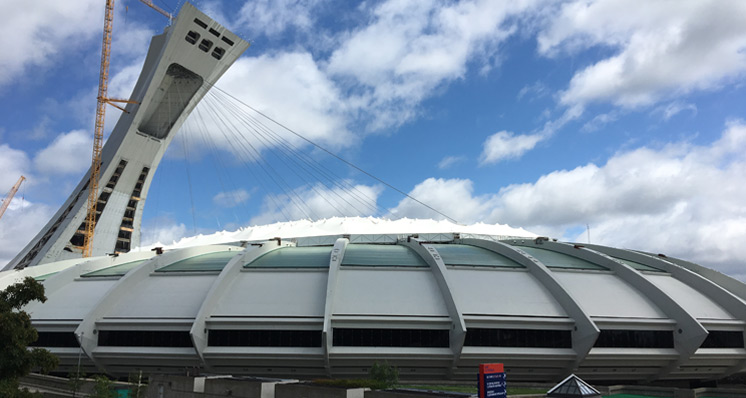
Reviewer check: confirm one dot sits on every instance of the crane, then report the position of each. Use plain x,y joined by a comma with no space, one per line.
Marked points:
9,197
98,137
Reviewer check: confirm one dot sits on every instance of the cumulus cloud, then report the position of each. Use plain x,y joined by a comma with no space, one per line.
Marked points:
31,32
412,47
20,223
13,163
679,199
659,48
452,197
505,145
288,87
317,202
69,153
274,17
166,233
231,198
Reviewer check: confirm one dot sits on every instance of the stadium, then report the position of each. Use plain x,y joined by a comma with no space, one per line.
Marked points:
330,298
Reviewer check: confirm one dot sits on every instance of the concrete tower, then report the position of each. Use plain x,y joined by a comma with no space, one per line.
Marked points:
181,66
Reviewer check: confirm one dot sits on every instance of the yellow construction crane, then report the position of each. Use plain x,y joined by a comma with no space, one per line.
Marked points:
9,197
98,137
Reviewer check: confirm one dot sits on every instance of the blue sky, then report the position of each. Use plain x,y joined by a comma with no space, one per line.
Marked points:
627,116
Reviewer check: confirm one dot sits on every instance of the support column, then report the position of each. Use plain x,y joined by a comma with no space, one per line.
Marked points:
717,293
439,270
87,332
689,334
335,261
221,284
585,332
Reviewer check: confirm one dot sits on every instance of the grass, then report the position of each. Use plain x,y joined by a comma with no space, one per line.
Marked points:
472,389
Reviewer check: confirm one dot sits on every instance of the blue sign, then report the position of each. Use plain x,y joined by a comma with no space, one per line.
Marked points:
492,381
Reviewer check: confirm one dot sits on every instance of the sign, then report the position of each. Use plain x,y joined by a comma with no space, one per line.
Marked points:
492,381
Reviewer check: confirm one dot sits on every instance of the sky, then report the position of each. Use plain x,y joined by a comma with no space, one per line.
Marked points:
621,122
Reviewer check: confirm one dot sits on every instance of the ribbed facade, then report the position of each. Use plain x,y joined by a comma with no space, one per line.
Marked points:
435,305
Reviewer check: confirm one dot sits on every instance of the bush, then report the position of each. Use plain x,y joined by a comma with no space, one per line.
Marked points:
385,374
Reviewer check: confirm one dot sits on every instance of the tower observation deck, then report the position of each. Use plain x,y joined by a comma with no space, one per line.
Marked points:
181,65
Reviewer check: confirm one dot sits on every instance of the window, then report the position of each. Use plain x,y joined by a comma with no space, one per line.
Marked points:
478,337
344,337
205,45
200,23
635,339
218,52
192,37
56,339
723,339
227,40
264,338
144,338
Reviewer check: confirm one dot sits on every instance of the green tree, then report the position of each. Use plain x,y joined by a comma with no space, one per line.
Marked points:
75,380
16,334
102,388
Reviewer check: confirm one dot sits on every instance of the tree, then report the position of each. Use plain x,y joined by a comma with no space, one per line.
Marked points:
102,388
16,334
385,374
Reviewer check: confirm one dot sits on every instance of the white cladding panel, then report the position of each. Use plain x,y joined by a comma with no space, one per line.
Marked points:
388,291
605,295
490,291
695,302
164,296
72,301
275,293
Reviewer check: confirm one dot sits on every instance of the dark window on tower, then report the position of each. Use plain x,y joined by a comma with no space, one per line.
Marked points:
218,52
477,337
227,40
264,338
205,45
200,23
144,338
192,37
723,339
56,339
344,337
635,339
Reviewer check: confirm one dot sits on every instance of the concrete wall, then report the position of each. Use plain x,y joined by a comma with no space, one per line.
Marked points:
161,386
299,390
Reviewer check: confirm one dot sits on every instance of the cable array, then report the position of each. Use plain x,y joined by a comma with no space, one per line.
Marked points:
300,178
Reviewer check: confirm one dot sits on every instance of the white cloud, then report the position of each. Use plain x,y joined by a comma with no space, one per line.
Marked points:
413,47
505,145
679,199
20,223
274,17
231,198
452,197
287,87
317,202
163,234
32,33
600,121
13,164
449,161
69,153
661,48
674,108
